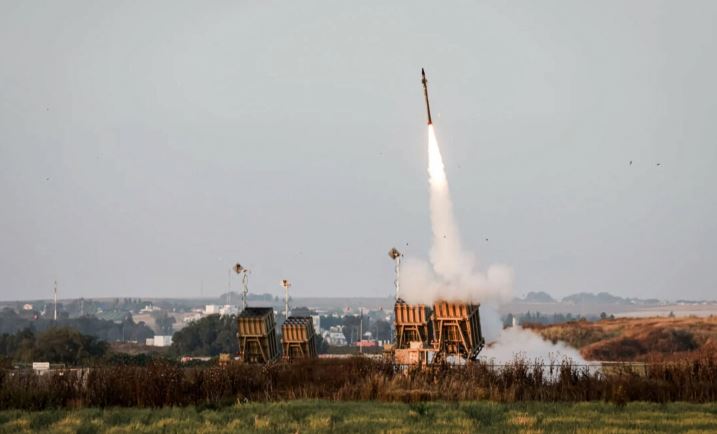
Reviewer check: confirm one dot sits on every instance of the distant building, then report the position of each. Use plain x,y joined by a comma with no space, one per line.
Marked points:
150,308
211,309
366,343
317,323
334,337
195,317
187,359
228,309
159,341
27,306
40,366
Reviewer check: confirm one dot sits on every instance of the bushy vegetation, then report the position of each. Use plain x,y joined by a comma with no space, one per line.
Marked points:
208,336
355,379
55,345
368,417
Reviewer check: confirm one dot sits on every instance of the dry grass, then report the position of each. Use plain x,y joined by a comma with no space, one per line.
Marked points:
637,339
356,379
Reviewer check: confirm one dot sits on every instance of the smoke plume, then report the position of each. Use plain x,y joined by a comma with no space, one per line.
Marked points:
452,273
517,342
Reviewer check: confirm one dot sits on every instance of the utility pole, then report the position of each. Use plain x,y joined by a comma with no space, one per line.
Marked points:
361,330
55,316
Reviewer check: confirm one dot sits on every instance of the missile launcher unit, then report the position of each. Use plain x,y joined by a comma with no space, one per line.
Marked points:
257,335
413,333
457,330
412,323
297,338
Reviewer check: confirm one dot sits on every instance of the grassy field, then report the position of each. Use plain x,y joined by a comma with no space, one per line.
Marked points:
349,417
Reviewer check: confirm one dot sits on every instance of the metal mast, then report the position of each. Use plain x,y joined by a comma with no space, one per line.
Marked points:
396,256
55,316
245,282
361,330
286,284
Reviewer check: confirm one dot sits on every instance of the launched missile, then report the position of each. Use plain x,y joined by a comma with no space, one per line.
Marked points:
425,93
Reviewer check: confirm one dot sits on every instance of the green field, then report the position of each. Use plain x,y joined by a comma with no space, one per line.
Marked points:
360,417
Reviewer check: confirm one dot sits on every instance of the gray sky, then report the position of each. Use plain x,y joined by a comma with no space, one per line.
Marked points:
147,146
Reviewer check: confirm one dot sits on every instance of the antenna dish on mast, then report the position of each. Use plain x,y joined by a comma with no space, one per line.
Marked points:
286,284
396,256
245,282
394,253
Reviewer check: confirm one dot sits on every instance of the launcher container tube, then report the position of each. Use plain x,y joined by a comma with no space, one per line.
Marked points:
298,338
412,324
457,330
257,335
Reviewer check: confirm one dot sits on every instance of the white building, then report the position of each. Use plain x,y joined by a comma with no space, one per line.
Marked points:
211,309
40,366
150,308
159,341
316,319
228,309
27,306
335,338
194,317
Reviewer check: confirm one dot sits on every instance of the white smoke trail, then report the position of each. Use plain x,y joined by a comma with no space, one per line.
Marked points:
452,276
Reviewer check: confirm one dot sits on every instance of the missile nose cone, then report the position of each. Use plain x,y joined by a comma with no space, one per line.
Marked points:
425,93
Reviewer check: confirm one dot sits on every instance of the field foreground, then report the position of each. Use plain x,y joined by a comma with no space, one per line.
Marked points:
307,416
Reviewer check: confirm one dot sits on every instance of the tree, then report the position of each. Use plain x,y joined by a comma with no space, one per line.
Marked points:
208,336
164,322
381,329
322,347
66,345
603,315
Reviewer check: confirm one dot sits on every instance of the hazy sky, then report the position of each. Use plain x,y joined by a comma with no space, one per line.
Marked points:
145,147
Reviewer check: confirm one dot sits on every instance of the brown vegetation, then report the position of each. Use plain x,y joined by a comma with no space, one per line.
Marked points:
163,384
637,339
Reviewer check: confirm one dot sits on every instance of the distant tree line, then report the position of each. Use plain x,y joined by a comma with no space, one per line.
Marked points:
125,330
54,345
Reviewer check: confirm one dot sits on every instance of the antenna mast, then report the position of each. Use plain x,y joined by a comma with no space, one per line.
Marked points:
286,284
396,256
245,282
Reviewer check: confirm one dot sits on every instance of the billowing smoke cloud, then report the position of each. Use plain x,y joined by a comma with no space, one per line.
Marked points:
516,342
452,274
